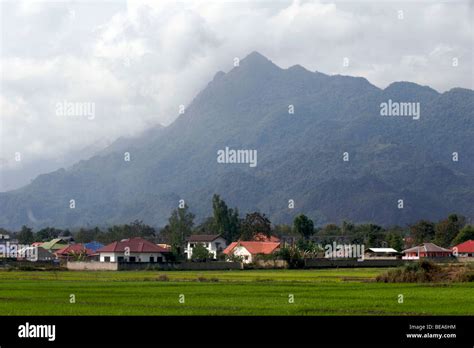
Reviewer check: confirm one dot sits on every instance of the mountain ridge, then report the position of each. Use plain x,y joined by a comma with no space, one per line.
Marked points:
299,156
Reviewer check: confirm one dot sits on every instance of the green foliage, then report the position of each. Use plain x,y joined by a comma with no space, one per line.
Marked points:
180,225
85,235
426,271
25,236
283,230
47,233
466,233
303,226
78,256
422,232
292,255
253,224
448,229
200,253
234,258
370,235
226,220
321,292
330,233
118,232
208,226
395,241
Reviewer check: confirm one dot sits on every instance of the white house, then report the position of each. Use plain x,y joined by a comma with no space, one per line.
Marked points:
248,250
132,250
213,243
381,253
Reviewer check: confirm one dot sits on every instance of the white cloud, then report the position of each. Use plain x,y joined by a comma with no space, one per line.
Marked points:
139,60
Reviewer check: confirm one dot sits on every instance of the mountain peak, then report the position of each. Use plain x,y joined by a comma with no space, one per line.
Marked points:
255,56
255,59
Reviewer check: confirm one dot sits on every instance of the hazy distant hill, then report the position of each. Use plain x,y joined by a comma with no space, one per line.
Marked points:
300,156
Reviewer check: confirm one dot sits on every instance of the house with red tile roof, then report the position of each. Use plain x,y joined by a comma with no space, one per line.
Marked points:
426,250
74,251
465,249
248,250
133,250
260,237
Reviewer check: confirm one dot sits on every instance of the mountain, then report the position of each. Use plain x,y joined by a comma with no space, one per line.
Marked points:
299,156
13,177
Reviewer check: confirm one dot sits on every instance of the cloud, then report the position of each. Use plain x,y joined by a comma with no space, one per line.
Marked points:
139,60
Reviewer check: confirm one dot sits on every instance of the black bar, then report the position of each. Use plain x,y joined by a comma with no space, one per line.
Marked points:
224,331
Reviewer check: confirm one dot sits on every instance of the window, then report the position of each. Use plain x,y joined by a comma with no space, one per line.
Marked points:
120,259
106,258
152,259
132,259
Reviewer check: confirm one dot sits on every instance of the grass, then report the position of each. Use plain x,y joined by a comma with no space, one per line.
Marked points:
250,292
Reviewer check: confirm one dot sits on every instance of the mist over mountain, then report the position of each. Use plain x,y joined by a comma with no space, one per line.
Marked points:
13,177
300,156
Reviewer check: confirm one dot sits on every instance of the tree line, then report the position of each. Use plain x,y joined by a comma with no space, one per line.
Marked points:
227,222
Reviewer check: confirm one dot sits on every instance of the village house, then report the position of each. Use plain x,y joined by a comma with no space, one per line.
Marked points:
35,253
381,254
465,249
215,244
132,250
54,244
426,250
94,246
249,250
74,251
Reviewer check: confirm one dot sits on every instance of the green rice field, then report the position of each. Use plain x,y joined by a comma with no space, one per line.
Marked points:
248,292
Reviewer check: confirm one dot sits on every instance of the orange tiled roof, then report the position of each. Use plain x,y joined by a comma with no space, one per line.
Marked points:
254,247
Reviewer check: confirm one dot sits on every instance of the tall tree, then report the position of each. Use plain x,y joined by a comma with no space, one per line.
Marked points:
303,226
447,230
227,222
85,235
253,224
25,236
395,241
180,226
47,233
423,231
371,235
467,233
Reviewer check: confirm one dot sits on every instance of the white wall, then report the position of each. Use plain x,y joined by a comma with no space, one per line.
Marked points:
210,246
139,257
244,253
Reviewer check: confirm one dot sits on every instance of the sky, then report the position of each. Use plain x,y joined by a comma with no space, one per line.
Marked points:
137,61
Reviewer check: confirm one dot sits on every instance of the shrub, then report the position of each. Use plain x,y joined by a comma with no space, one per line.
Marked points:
200,253
163,278
292,255
427,271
